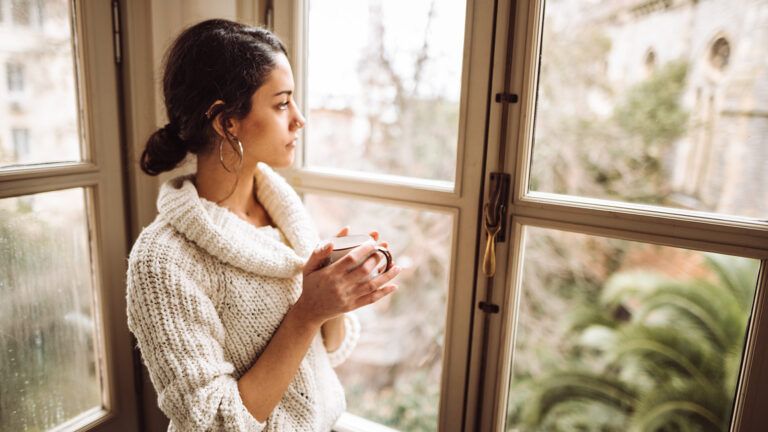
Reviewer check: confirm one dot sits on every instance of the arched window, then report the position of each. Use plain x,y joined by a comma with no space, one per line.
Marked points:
650,62
720,53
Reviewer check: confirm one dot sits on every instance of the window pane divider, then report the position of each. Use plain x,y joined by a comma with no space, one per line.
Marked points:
84,420
50,180
45,170
713,219
377,178
670,229
365,185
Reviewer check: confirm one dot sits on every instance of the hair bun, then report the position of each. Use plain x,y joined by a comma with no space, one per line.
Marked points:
164,150
171,129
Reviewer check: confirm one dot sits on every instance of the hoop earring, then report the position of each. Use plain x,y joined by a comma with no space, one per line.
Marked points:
239,150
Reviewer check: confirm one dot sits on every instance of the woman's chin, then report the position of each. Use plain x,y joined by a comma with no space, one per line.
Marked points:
285,163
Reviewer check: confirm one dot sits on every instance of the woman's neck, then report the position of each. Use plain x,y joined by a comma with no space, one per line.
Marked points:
214,183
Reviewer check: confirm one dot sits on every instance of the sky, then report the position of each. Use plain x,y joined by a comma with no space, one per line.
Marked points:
339,33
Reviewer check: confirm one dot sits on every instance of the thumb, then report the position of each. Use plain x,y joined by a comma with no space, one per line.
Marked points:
317,259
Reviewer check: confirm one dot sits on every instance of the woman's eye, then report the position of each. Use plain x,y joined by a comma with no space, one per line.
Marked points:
284,105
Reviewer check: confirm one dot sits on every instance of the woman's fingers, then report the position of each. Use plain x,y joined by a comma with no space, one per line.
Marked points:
318,258
343,232
375,296
364,270
374,235
355,257
368,286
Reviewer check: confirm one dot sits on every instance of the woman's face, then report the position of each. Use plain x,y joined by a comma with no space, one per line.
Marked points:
268,132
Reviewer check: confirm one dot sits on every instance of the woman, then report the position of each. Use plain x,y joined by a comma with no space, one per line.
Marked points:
237,319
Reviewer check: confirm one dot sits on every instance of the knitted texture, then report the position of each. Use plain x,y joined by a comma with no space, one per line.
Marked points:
206,292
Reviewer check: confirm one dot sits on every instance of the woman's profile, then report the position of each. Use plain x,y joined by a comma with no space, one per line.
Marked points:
237,319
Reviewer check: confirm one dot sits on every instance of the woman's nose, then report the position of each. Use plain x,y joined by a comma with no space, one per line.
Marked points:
299,121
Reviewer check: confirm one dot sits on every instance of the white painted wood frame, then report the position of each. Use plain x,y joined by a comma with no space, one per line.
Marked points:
662,226
100,174
462,199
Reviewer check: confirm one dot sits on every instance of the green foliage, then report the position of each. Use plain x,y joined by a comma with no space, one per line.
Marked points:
670,362
652,108
576,385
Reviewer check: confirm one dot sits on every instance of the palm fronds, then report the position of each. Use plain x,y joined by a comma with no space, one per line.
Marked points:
664,355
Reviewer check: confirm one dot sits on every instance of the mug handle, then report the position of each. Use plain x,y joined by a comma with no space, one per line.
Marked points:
387,255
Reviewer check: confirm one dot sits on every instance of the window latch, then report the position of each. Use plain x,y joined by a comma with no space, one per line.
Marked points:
495,219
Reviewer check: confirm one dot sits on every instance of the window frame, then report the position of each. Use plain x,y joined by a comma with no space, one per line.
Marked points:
457,389
100,174
648,224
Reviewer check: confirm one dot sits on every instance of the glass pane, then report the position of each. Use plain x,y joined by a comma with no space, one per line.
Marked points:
393,376
48,363
383,86
662,103
615,335
38,91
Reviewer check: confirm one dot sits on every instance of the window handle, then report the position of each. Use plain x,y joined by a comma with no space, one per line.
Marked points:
489,260
495,211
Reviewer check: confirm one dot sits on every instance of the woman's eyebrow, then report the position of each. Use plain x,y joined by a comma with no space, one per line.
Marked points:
287,92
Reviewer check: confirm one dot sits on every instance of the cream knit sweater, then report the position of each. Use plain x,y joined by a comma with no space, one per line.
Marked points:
207,290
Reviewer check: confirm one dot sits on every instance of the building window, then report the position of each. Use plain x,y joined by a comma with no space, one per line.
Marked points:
20,138
650,62
20,12
15,76
720,53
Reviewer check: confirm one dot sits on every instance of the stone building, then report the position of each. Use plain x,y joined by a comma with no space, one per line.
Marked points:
38,102
721,164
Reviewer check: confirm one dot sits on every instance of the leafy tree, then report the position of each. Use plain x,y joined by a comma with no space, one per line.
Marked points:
652,109
654,355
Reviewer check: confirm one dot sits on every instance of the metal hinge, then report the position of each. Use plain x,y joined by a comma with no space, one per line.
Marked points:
506,97
488,307
116,35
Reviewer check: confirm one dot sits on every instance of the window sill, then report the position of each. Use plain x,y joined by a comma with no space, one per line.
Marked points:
352,423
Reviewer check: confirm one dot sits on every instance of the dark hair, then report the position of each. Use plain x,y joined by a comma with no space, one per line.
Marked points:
213,60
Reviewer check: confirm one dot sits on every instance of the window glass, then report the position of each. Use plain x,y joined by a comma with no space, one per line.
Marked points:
20,143
656,103
614,335
393,376
48,362
383,86
40,91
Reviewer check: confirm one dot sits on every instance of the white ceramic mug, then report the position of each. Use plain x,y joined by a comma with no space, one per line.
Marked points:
343,245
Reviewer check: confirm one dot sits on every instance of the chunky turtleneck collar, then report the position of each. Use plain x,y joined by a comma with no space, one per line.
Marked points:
235,241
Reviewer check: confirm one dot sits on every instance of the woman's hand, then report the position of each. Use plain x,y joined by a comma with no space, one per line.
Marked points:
344,285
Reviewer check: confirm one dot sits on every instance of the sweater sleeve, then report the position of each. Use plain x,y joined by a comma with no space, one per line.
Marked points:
351,336
181,336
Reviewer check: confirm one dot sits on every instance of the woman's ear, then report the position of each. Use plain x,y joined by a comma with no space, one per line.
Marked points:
224,126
